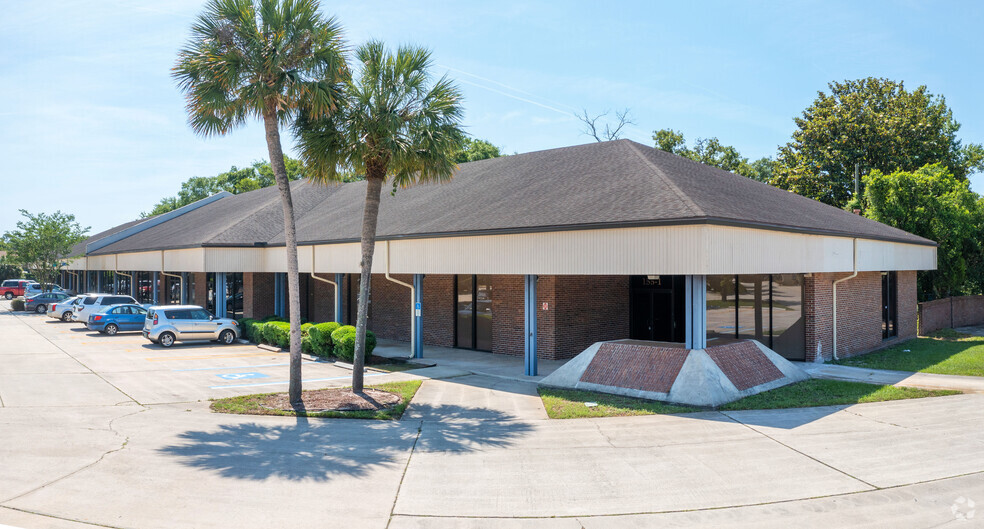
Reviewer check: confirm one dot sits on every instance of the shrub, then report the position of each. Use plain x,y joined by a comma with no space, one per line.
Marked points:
17,304
272,317
320,338
344,341
276,333
248,328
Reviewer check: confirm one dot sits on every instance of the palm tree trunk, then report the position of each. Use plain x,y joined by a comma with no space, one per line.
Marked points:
374,184
290,234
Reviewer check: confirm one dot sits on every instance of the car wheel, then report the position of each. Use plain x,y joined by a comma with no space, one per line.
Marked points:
41,309
227,337
66,316
9,296
166,339
111,329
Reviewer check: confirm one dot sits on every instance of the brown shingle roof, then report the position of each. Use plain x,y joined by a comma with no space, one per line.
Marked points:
610,184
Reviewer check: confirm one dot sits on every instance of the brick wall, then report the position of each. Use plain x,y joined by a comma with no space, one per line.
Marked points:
439,310
389,307
946,313
201,289
589,309
321,299
508,315
859,316
258,295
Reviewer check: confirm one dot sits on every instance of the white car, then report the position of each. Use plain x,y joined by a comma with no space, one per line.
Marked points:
63,309
94,303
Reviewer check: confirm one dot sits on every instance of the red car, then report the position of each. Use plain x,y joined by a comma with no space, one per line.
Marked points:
12,288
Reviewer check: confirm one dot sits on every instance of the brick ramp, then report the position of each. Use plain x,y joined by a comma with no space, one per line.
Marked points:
701,377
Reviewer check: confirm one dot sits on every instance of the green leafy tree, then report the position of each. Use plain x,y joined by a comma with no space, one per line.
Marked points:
933,203
9,270
475,149
877,124
265,59
41,241
710,151
395,124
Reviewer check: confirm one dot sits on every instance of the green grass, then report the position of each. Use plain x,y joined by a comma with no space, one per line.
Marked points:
569,404
817,392
946,353
250,404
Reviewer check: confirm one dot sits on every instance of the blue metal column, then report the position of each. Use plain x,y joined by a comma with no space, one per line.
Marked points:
280,295
155,288
529,348
339,278
220,295
696,312
99,279
418,318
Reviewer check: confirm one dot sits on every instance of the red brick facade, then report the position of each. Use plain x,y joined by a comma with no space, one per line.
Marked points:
257,295
859,313
575,311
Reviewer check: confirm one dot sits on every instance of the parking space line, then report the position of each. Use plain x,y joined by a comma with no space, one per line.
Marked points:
245,367
287,381
230,355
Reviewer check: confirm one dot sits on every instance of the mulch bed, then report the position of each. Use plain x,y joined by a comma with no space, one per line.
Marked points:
335,399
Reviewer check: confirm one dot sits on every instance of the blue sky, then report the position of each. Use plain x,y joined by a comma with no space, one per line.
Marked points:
92,123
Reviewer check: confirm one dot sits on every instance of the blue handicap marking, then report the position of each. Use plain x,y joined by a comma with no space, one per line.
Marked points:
418,306
241,376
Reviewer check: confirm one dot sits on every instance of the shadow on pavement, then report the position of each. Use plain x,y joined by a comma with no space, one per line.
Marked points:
319,449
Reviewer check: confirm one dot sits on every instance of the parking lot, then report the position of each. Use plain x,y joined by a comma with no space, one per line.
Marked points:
94,369
99,431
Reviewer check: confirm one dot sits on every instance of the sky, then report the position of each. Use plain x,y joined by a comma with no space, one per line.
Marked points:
92,123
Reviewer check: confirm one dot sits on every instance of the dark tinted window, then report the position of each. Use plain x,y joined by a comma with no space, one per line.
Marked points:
199,314
178,314
89,301
10,283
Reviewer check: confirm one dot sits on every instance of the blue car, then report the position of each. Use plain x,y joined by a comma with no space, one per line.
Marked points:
116,318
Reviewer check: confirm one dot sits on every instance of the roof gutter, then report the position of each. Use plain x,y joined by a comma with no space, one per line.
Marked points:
841,280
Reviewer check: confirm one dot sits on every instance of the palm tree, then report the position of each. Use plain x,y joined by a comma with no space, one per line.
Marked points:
395,124
265,59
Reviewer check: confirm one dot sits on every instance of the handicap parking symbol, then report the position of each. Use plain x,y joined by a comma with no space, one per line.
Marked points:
241,376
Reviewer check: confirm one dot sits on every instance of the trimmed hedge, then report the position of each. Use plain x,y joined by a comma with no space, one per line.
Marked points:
344,341
276,333
320,338
17,304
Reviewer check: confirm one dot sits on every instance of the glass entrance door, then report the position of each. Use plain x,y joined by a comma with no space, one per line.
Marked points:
473,312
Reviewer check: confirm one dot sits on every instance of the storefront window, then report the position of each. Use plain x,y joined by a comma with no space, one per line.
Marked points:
108,281
123,284
210,292
753,307
720,308
234,295
766,308
788,326
473,322
191,288
173,289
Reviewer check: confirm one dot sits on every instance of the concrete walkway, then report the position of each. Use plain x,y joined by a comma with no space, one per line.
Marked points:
468,361
965,384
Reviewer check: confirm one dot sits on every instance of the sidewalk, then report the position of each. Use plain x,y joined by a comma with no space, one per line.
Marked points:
965,384
476,362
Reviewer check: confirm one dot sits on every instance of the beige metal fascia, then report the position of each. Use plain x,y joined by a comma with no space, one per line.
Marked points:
841,280
163,273
116,268
315,276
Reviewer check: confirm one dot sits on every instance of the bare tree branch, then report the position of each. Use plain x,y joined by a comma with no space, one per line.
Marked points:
609,132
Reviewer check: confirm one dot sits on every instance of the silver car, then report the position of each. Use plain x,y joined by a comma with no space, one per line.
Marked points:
166,324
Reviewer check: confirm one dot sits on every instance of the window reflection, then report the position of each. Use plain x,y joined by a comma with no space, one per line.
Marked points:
767,308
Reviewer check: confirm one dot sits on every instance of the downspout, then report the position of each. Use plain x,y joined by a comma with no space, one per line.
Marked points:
116,271
163,273
852,276
330,282
412,297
